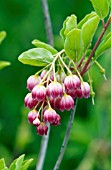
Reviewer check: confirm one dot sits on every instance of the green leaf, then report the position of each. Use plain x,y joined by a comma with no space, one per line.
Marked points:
36,57
101,7
17,164
69,24
4,64
2,164
2,36
85,19
40,44
88,30
26,164
74,46
109,3
105,45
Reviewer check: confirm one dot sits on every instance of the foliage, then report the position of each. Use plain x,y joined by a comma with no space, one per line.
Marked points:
36,57
23,22
101,7
3,63
40,44
77,37
17,164
2,36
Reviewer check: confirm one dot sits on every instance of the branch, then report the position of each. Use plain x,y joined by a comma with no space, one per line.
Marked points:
47,21
45,139
95,47
81,61
66,138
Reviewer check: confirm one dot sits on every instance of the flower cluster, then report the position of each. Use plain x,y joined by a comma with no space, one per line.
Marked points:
49,92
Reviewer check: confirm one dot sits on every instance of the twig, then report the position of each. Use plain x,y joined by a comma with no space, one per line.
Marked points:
81,61
66,138
45,139
95,47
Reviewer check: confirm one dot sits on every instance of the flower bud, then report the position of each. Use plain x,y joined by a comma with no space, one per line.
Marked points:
44,109
84,90
54,89
29,101
32,115
79,92
42,129
66,102
52,75
60,77
72,93
57,103
36,122
57,120
39,92
50,115
43,73
72,82
33,81
51,100
63,76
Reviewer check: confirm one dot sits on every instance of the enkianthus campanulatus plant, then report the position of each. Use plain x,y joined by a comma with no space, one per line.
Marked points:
53,88
61,79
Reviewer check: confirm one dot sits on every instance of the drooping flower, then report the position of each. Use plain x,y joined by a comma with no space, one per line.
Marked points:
60,77
43,73
72,82
33,81
66,102
57,102
32,115
57,120
54,89
84,90
42,129
50,115
72,93
29,101
39,92
36,122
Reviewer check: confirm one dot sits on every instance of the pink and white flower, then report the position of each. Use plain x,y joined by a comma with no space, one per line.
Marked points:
42,129
39,92
36,122
29,101
72,82
57,120
43,73
72,93
33,81
50,115
84,90
32,115
66,102
54,89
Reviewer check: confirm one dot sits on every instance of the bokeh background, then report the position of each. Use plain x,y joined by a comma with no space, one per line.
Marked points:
89,147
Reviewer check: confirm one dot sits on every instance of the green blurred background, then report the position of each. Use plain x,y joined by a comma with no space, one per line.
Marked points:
89,147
